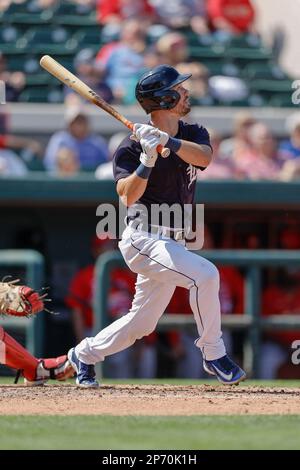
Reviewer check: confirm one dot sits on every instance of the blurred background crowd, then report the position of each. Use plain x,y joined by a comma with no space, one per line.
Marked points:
109,44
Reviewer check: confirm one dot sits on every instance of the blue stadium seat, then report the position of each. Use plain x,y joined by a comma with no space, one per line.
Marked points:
26,13
9,37
71,14
9,34
52,40
90,39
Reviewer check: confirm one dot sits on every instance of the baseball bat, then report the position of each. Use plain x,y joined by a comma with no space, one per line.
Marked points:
69,79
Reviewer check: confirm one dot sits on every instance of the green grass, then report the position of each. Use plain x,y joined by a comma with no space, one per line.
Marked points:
107,432
149,432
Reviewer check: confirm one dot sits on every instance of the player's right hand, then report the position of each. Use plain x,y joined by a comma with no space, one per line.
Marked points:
147,161
149,155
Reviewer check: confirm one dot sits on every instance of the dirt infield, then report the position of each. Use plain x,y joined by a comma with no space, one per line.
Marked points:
166,400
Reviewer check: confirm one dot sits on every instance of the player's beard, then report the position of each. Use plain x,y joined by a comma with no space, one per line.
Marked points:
182,108
186,107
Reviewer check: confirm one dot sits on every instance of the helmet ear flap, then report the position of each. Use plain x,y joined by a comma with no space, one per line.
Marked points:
168,98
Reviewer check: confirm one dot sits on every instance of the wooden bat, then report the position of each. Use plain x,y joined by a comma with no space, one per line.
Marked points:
65,76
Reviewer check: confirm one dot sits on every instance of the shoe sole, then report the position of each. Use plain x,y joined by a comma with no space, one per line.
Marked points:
236,382
79,385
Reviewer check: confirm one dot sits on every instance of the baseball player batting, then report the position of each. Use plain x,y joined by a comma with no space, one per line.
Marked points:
158,253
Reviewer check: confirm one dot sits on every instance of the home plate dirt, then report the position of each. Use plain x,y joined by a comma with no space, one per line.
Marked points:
166,400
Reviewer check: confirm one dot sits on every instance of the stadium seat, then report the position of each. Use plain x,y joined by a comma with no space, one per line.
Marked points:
52,40
16,62
195,40
244,41
257,100
12,9
242,55
34,95
271,86
90,39
41,94
26,13
35,164
8,35
66,8
67,13
40,79
262,70
282,100
32,65
200,52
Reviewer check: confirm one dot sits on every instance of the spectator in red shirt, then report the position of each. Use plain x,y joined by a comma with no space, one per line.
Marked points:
232,16
119,10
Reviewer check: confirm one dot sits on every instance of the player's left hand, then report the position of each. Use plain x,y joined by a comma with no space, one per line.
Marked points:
149,143
145,131
162,137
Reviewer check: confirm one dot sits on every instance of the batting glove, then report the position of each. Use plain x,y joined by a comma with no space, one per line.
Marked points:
139,130
162,137
147,161
144,130
149,155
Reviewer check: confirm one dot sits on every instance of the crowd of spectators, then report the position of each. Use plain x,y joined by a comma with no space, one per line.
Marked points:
135,35
252,152
139,35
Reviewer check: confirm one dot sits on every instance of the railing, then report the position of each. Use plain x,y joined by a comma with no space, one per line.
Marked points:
33,262
252,321
41,189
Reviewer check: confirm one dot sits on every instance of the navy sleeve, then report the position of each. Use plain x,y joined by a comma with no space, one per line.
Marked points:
199,135
125,163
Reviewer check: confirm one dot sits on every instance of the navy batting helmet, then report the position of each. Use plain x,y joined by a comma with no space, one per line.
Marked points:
154,89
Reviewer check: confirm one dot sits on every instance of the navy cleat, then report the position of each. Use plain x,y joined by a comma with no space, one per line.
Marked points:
85,372
226,371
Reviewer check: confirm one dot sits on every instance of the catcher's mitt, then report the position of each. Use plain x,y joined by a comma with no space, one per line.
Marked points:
20,301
